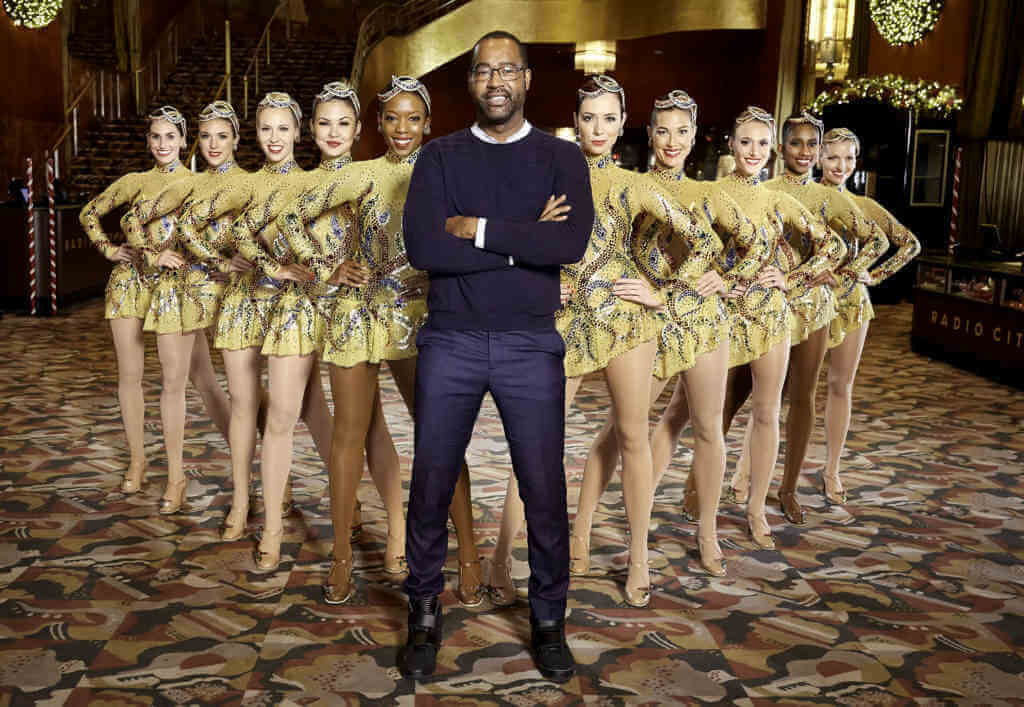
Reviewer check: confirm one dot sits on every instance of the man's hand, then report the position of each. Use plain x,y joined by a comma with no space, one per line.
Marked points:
711,282
555,209
463,227
350,273
239,264
294,272
170,259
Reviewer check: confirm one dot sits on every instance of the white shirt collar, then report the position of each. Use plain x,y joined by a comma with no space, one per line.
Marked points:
515,137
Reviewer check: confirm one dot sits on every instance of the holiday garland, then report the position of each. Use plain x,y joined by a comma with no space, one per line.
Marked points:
32,13
899,92
905,21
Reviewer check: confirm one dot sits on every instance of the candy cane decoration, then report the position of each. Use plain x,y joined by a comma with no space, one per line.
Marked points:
51,209
954,218
33,286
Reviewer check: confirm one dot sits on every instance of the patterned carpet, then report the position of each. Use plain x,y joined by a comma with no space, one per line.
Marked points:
912,593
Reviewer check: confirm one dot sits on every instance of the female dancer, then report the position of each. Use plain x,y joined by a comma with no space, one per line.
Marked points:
849,329
129,291
813,303
694,338
374,321
609,323
188,290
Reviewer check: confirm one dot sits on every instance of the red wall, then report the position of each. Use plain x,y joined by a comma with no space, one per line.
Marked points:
940,56
32,102
724,71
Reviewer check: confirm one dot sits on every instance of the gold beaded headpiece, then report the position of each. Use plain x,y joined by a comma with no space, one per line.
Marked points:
841,135
606,84
405,84
678,99
805,118
280,99
171,114
221,110
337,91
753,113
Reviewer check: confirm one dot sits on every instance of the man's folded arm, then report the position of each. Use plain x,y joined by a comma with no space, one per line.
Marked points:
427,244
550,242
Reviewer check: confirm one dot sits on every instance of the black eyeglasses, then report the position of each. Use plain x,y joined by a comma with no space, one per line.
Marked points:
484,72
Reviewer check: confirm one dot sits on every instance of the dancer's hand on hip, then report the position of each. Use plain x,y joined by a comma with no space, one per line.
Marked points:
350,273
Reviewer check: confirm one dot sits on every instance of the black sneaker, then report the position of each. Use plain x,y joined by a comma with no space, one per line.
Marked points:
550,651
418,658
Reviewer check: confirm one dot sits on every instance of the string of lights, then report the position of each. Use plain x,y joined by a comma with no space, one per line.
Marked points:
929,97
905,21
32,13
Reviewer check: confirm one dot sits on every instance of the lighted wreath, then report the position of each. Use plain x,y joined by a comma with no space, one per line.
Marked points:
929,97
32,13
905,21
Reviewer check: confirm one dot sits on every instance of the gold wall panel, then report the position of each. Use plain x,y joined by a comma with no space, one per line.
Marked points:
548,21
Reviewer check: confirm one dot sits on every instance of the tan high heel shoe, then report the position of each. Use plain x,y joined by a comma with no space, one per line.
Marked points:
174,497
339,587
234,523
832,489
500,585
132,481
791,508
762,535
394,561
639,596
470,591
739,488
268,556
579,556
711,558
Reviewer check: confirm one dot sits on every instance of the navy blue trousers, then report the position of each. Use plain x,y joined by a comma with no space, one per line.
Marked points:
524,373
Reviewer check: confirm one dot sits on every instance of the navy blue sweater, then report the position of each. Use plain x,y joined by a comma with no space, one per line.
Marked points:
508,184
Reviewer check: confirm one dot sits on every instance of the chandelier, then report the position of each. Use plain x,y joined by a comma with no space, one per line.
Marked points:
829,31
595,57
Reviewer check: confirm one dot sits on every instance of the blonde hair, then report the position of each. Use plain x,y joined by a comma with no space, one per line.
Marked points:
836,135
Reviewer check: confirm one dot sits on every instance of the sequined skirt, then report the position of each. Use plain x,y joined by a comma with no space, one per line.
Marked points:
183,300
245,312
759,321
295,326
595,335
813,309
853,310
357,331
128,293
691,325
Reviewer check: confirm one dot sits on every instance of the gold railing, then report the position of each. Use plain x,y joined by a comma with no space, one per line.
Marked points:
395,18
162,58
262,47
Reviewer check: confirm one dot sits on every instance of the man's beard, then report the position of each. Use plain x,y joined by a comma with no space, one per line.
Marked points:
514,105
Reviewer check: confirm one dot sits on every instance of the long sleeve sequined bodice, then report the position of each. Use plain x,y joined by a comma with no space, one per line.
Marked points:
772,213
907,245
845,222
861,253
375,190
128,190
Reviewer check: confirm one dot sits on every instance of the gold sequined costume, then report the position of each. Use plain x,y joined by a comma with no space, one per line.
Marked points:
250,298
814,306
129,290
598,326
853,303
188,298
691,325
761,317
378,321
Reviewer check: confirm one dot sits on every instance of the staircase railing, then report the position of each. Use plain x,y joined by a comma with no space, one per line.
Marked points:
163,57
262,47
66,145
395,19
